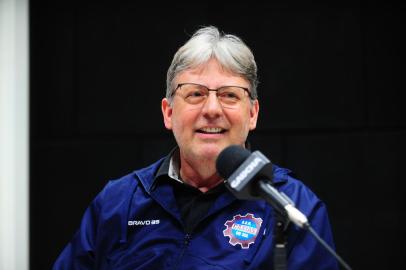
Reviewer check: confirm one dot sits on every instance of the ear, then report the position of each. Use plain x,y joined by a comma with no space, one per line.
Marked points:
254,110
167,113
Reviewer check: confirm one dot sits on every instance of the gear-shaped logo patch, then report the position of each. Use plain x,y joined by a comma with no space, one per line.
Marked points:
242,230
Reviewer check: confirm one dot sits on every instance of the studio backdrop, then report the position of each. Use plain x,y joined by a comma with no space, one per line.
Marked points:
331,95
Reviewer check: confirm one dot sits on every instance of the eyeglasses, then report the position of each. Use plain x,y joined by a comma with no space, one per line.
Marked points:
197,94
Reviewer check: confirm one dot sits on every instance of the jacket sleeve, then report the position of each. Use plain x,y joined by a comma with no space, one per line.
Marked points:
306,252
79,253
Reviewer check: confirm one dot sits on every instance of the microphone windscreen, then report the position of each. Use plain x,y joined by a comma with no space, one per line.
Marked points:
230,159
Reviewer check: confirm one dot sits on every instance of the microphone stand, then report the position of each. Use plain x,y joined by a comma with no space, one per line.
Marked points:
280,201
279,256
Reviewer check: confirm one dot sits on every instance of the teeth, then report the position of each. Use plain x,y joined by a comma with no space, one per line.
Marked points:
212,130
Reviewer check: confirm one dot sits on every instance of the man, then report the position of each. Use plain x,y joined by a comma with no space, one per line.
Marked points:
177,213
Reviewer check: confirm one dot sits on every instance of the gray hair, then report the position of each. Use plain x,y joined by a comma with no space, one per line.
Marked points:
206,43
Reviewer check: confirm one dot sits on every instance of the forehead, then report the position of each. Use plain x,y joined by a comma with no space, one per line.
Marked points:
211,74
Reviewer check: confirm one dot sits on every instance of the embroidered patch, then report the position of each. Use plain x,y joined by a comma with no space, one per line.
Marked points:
242,230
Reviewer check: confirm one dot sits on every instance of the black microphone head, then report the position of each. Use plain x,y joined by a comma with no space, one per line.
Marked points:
230,159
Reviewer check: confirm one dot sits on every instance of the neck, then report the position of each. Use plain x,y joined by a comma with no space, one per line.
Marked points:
201,174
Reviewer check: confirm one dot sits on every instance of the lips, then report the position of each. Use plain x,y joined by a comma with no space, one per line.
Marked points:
211,130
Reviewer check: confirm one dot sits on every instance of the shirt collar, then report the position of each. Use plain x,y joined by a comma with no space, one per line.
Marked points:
170,167
169,171
174,166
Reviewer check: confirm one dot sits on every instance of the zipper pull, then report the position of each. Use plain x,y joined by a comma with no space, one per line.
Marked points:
187,239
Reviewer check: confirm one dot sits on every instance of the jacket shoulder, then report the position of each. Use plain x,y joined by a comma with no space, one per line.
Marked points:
120,189
302,195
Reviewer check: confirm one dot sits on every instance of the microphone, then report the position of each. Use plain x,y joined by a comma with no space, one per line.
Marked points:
249,177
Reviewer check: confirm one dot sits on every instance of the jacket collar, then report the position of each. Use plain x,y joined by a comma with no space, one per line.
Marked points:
148,176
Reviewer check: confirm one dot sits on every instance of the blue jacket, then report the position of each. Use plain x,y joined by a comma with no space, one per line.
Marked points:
132,224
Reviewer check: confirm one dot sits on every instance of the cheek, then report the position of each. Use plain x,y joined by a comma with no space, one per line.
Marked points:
185,116
240,121
182,124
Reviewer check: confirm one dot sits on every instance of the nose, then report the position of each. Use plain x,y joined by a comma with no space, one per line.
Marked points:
212,107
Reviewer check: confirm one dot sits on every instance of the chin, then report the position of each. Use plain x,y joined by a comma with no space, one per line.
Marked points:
210,152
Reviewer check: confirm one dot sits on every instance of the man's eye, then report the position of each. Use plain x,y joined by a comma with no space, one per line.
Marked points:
195,94
229,95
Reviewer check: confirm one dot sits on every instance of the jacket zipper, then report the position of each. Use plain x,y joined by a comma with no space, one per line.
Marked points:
186,242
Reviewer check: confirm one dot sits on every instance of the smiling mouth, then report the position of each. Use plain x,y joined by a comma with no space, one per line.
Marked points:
211,130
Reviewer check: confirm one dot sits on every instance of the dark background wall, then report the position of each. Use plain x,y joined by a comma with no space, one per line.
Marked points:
331,93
